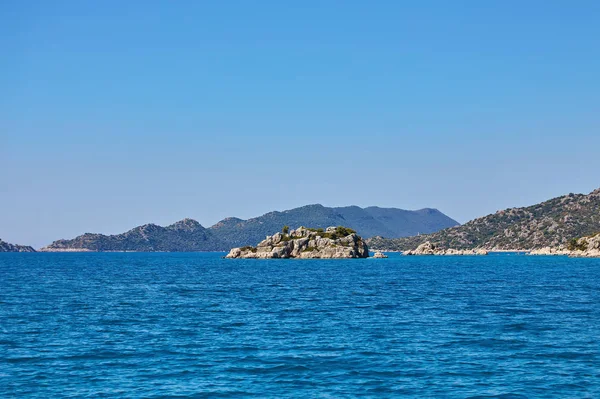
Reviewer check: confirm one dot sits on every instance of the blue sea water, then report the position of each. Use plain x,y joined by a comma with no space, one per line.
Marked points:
195,325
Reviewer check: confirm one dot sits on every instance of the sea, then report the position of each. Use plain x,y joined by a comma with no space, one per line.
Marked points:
195,325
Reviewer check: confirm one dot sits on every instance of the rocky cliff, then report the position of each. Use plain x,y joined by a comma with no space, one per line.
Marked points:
549,224
305,243
6,247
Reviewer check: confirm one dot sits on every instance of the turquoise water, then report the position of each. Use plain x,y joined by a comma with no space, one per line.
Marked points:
195,325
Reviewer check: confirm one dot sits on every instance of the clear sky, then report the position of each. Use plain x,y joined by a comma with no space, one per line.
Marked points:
119,113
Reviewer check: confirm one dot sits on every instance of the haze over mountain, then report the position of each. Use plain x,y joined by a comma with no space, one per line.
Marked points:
551,223
189,235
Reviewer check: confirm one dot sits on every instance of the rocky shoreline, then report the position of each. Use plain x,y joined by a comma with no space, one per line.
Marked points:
584,247
548,251
305,243
427,248
51,249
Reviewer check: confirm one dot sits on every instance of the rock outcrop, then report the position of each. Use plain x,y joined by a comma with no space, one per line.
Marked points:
379,255
305,243
428,248
584,247
7,247
549,251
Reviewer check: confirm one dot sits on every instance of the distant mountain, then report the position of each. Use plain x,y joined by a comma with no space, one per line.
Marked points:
183,236
402,223
189,235
6,247
368,222
235,232
549,224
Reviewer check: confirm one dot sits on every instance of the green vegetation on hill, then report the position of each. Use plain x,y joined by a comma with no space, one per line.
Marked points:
549,224
339,232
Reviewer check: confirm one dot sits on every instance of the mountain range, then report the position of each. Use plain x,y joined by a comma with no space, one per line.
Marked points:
552,223
189,235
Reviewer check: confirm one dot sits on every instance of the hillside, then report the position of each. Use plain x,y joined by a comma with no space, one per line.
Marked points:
549,224
186,235
6,247
189,235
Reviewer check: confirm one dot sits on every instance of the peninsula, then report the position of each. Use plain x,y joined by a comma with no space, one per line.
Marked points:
7,247
551,225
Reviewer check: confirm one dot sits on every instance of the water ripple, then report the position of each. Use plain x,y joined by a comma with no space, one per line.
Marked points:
195,325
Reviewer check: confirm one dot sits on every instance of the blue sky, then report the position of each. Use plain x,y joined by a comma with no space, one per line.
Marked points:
115,114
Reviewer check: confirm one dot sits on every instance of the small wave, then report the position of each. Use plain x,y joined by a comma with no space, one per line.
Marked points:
273,369
500,396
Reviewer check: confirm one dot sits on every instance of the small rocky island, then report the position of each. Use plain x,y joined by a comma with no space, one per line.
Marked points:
306,243
428,248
